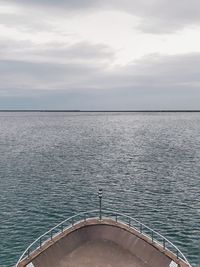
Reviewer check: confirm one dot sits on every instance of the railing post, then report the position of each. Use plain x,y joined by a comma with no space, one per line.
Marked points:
100,198
140,228
62,228
116,218
152,236
164,244
28,253
40,242
51,235
177,254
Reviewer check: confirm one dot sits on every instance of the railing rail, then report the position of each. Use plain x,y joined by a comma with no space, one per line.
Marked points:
117,216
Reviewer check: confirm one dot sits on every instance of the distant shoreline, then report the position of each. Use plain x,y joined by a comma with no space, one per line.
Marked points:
98,111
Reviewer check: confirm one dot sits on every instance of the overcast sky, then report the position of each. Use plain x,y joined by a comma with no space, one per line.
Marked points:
98,54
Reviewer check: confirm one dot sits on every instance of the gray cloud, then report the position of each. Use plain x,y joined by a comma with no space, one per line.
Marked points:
70,4
81,52
25,22
29,75
159,16
154,82
156,16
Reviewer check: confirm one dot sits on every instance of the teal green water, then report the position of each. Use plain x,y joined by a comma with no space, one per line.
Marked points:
51,165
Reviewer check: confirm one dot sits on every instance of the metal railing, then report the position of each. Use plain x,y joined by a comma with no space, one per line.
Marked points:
127,220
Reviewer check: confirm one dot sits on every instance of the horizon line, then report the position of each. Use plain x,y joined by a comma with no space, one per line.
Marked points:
77,110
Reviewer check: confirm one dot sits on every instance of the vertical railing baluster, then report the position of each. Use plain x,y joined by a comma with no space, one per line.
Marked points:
100,204
164,244
40,242
129,222
177,254
140,228
152,236
116,218
28,253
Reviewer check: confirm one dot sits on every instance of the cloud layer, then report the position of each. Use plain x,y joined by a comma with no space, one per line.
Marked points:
57,54
152,83
156,15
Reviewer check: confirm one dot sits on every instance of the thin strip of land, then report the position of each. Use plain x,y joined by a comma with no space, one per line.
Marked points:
63,110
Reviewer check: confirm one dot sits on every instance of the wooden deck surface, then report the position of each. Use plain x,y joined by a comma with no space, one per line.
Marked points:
101,254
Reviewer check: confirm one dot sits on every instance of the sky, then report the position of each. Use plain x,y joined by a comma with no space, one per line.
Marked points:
100,55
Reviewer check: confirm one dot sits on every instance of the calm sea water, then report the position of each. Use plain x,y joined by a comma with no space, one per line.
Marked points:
51,165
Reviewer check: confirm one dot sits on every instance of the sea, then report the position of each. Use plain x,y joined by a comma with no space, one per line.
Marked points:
53,163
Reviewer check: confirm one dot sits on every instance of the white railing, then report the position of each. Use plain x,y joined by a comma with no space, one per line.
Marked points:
141,228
